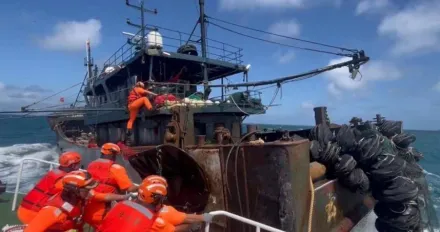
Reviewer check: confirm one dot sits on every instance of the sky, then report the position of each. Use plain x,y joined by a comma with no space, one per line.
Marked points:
43,48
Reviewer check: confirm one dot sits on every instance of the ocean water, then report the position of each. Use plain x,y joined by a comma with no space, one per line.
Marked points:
32,138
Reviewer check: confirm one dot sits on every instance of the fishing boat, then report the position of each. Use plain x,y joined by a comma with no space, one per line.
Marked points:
212,161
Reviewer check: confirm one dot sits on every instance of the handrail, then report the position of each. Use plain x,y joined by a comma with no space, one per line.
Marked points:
20,171
248,221
258,225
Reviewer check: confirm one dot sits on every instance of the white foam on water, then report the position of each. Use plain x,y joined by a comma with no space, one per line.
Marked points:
11,157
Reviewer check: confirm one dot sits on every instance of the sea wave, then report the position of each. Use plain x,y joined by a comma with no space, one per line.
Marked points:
12,156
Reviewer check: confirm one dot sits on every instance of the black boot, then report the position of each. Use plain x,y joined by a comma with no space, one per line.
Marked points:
128,138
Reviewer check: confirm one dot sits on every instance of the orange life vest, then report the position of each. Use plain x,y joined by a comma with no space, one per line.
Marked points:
73,212
128,216
45,189
100,171
133,96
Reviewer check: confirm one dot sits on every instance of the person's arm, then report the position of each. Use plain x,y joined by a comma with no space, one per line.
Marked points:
175,217
151,93
193,218
106,197
122,179
133,188
47,217
144,92
182,228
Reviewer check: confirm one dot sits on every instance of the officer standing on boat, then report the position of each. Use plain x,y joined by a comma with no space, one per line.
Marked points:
136,100
48,186
112,178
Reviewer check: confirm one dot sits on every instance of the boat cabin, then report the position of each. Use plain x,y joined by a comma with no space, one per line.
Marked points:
167,72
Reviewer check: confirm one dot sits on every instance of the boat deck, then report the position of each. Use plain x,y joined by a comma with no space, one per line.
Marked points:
8,216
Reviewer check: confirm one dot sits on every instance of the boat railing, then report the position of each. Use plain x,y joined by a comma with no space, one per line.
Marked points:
173,39
19,174
258,226
181,90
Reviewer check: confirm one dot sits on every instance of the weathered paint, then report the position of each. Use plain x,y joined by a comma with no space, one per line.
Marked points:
209,161
333,202
273,186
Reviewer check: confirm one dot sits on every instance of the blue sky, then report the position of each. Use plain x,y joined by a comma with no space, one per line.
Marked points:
43,51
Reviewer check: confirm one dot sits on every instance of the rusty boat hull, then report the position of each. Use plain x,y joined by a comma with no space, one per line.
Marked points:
269,183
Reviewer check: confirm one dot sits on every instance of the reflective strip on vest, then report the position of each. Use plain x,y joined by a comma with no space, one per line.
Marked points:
164,209
139,208
57,212
67,207
100,160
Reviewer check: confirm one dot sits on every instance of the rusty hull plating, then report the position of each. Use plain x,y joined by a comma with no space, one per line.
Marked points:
266,182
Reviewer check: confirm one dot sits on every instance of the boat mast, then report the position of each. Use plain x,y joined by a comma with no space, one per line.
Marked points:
142,9
202,21
89,61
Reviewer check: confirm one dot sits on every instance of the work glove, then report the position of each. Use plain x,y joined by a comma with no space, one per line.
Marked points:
207,217
132,196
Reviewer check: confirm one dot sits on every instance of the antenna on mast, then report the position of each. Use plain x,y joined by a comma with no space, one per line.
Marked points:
88,61
142,9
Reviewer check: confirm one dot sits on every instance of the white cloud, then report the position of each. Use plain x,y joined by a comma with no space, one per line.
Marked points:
437,87
371,71
72,35
286,28
286,57
414,29
372,6
273,4
13,97
250,4
307,105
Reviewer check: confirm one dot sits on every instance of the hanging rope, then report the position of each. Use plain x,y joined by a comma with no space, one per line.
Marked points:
44,99
278,43
284,36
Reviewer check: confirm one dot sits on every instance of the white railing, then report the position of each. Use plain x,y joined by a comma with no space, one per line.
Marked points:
258,226
20,171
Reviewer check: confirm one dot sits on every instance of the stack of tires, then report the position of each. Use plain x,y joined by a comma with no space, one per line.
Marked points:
377,158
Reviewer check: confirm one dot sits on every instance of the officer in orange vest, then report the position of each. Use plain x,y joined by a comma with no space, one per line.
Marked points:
181,221
112,178
48,186
63,211
136,100
147,211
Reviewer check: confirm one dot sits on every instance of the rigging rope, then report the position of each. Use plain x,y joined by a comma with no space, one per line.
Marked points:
278,43
284,36
80,89
44,99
